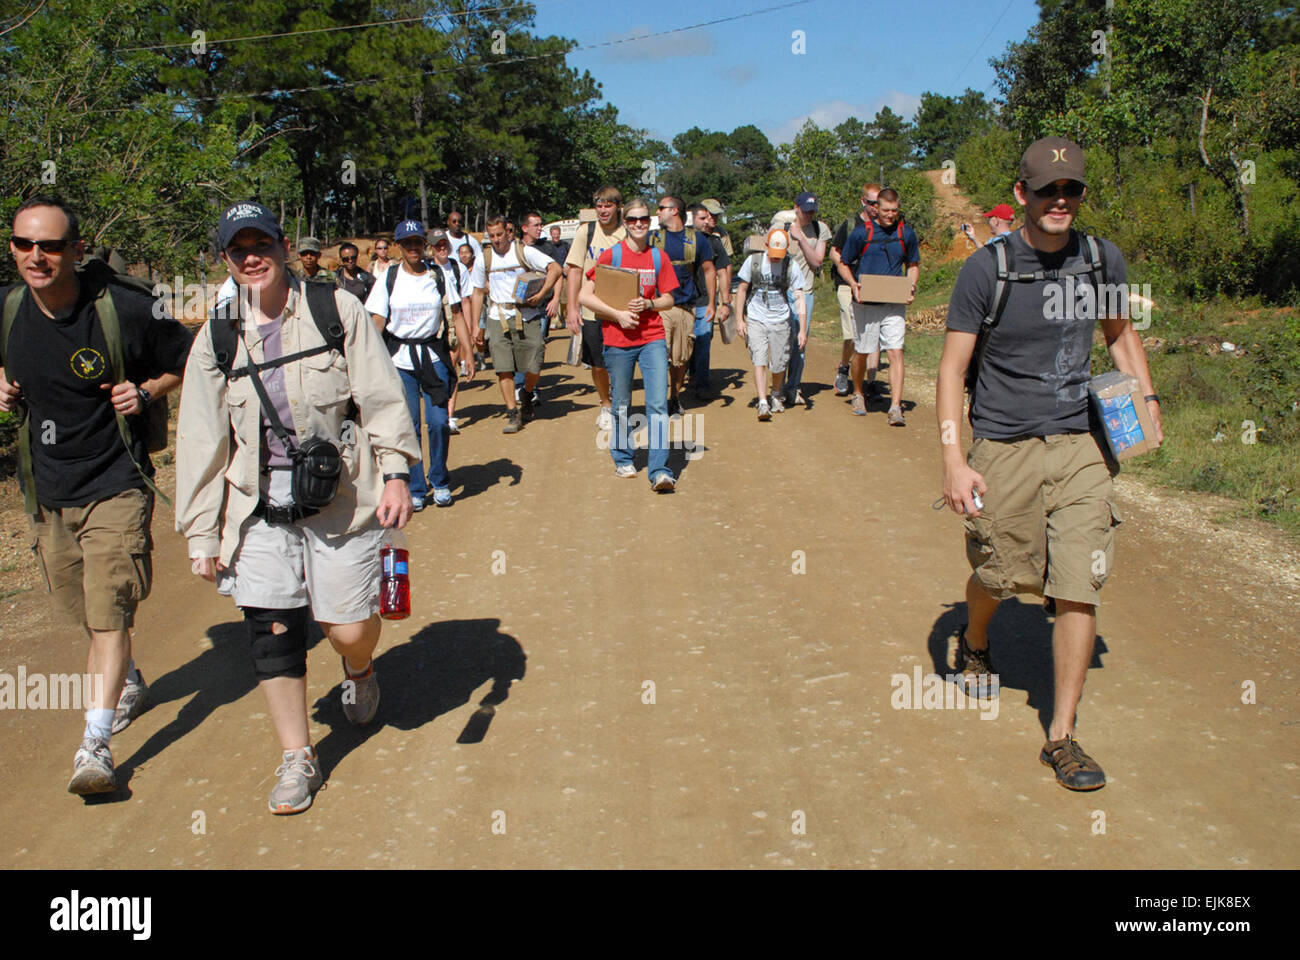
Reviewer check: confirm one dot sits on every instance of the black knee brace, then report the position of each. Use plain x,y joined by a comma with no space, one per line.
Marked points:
277,654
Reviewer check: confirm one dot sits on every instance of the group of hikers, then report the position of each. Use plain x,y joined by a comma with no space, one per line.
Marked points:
299,447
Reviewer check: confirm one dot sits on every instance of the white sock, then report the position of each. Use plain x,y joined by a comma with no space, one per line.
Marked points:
99,723
133,674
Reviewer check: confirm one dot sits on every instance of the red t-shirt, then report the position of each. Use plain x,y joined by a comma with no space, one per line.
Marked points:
651,327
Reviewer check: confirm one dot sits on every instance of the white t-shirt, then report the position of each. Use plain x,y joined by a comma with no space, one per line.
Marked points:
770,306
415,311
457,243
501,285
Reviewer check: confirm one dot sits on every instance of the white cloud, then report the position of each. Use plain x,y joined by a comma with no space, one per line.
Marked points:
688,43
831,113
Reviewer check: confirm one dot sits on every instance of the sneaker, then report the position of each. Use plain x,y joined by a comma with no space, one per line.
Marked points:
452,426
1074,769
974,665
441,497
896,417
537,398
605,421
417,504
526,407
92,768
625,471
665,484
674,408
794,399
777,405
764,411
841,381
859,405
365,697
300,778
130,704
512,421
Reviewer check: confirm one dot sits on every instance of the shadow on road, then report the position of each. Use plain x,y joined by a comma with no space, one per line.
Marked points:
1020,638
433,673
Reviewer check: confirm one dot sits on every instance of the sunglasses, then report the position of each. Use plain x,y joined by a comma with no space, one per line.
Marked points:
644,220
1050,192
348,259
869,203
383,249
23,245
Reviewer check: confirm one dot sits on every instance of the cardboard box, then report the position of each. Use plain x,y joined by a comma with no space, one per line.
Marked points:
756,243
527,285
873,288
587,215
1125,422
617,285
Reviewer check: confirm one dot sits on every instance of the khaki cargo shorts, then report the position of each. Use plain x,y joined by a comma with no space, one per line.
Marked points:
679,331
844,295
519,348
1048,523
96,559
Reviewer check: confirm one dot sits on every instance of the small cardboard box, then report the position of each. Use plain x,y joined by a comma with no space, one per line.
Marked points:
527,285
617,285
1125,423
756,243
587,215
874,288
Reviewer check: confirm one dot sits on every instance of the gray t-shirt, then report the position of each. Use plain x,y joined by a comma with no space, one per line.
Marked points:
1034,378
274,455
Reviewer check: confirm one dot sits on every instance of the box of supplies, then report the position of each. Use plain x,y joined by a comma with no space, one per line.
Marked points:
615,286
587,215
874,288
528,284
1122,415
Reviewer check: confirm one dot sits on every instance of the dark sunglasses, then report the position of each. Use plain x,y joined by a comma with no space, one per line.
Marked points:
348,259
1050,192
23,245
645,220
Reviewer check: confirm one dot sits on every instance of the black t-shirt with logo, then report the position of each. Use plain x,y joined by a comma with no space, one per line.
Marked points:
62,364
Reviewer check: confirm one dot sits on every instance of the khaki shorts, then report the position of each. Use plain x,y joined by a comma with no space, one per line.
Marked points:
96,559
769,345
878,326
520,349
1048,523
679,331
845,296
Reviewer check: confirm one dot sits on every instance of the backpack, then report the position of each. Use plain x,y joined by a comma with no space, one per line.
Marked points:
616,259
152,424
659,240
871,232
780,279
225,336
438,390
519,255
1004,265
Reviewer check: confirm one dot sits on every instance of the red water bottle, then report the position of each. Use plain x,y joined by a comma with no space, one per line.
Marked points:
395,583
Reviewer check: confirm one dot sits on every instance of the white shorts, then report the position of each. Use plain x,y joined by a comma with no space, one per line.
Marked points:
844,295
878,326
284,566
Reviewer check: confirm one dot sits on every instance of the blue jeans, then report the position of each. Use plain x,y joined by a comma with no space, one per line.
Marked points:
621,362
794,373
435,416
700,356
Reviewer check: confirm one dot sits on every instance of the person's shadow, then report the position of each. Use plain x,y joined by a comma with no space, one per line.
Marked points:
433,673
475,478
1020,639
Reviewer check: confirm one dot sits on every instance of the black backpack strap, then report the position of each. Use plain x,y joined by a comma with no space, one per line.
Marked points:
591,234
390,280
325,312
1004,271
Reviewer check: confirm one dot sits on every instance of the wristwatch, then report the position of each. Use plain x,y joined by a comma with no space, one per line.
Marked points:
145,396
1152,396
404,477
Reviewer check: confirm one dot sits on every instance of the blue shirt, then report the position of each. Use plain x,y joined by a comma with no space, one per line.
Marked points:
883,256
675,246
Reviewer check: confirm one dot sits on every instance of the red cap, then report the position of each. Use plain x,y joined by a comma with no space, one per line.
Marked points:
1002,211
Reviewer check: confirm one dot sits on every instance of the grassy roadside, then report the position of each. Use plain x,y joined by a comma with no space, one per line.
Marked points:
1231,417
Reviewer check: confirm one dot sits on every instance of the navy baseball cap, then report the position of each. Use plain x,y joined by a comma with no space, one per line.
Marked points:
408,228
806,202
243,216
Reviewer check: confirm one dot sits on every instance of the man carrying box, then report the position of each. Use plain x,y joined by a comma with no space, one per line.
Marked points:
880,246
1045,523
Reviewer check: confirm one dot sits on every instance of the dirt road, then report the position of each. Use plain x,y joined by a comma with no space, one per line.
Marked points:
771,601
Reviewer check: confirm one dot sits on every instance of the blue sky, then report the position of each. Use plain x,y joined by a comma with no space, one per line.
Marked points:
859,57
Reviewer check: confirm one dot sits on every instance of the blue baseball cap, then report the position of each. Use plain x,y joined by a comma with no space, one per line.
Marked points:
807,202
244,216
408,228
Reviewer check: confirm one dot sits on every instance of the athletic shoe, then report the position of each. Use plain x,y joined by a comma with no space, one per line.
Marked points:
526,407
859,405
365,695
92,768
1074,769
441,497
794,399
130,704
665,484
764,411
537,398
512,421
674,408
417,504
626,470
974,664
896,417
452,425
605,421
300,778
777,405
841,381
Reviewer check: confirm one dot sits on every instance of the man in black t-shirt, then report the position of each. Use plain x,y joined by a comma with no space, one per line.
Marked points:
350,276
90,496
1045,524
